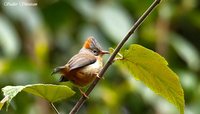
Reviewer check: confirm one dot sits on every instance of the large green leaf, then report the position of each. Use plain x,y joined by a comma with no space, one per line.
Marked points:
50,92
150,68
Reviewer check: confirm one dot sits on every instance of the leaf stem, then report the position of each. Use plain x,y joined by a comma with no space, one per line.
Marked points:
81,101
54,108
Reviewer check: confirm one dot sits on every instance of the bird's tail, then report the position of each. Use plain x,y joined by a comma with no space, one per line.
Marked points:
63,79
58,70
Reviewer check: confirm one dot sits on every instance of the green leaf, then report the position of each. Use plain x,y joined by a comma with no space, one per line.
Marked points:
150,68
50,92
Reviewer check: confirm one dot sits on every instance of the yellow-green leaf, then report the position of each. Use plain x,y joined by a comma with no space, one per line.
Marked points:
150,68
50,92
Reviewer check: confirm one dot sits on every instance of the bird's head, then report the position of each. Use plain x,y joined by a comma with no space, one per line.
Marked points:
94,47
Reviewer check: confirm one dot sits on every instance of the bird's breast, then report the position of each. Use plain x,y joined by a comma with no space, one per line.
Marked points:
85,75
92,68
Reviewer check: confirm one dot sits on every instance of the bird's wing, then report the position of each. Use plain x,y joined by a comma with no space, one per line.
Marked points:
81,60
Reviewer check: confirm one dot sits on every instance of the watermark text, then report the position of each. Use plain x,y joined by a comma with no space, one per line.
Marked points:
20,3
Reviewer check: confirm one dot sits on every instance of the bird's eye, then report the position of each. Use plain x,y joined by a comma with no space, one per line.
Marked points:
95,52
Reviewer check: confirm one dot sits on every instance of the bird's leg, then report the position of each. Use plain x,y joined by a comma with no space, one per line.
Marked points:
83,93
57,69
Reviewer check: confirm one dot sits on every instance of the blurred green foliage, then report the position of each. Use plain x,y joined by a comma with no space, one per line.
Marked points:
35,39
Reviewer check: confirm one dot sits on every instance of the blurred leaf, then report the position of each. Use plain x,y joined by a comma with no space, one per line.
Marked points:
150,68
9,39
29,16
188,79
186,51
50,92
85,7
166,11
194,18
114,20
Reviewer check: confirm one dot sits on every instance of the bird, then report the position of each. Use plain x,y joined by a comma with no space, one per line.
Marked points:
83,67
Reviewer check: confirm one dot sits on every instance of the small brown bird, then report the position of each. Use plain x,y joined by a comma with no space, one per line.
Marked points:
83,67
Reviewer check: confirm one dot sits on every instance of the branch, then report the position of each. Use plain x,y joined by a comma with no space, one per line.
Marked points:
81,101
54,108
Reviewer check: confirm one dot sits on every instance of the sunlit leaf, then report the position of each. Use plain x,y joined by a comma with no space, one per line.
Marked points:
50,92
150,68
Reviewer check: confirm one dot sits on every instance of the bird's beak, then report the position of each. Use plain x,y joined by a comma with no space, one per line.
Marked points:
105,52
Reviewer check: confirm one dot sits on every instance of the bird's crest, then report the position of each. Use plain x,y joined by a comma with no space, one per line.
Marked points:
91,42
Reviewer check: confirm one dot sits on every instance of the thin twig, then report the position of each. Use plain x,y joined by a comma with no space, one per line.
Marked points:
54,108
81,101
